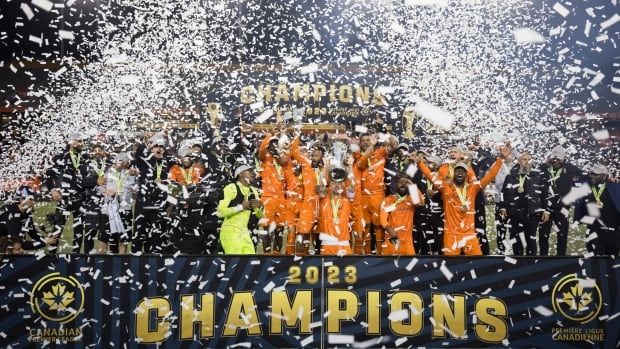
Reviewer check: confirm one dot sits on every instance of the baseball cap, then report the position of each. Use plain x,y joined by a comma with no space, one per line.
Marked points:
558,153
599,169
241,169
461,165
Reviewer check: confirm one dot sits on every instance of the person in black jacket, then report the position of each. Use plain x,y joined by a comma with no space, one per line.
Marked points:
428,230
599,211
151,228
521,206
16,222
70,176
558,178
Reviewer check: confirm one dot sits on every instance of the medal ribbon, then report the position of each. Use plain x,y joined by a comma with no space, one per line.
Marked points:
462,195
522,181
101,170
555,175
187,175
335,207
119,182
75,159
597,194
158,169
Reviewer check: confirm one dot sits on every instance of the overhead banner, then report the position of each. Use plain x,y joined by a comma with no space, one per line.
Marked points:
312,302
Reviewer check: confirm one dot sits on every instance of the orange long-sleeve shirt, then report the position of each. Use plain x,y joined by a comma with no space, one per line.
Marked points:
459,220
184,176
398,212
334,217
294,184
373,167
311,177
272,173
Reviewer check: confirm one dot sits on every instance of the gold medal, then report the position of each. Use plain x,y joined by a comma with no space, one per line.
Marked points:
520,190
599,204
337,220
464,208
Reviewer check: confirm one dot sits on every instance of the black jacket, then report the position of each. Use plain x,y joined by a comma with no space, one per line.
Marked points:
75,183
529,200
554,191
609,213
151,193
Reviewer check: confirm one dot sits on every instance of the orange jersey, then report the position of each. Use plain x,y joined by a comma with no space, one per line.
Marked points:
272,173
334,217
184,176
311,176
294,184
373,167
460,213
398,212
445,172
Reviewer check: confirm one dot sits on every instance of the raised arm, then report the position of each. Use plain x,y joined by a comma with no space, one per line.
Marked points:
262,149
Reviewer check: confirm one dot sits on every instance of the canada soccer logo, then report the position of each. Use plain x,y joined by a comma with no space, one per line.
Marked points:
577,299
57,298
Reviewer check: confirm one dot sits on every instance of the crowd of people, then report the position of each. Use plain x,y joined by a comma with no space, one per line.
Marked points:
293,193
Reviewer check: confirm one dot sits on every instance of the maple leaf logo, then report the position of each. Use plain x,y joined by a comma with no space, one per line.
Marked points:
577,299
59,298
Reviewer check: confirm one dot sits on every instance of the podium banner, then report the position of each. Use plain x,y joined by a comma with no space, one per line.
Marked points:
312,302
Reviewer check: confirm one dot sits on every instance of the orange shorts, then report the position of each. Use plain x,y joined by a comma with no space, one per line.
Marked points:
371,204
457,244
275,208
333,250
405,248
308,215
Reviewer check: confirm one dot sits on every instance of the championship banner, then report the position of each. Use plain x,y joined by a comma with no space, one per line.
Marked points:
312,302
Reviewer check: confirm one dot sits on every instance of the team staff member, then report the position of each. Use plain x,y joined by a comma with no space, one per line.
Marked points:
70,176
521,206
603,234
558,177
273,183
241,208
150,219
428,232
459,206
397,212
372,163
334,218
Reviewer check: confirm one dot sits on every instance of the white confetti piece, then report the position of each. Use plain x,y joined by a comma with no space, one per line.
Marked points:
66,35
510,260
269,287
544,311
27,10
44,5
576,193
528,36
395,283
433,114
611,21
340,339
473,274
400,341
306,341
168,262
308,69
559,8
399,315
601,135
446,272
512,283
411,264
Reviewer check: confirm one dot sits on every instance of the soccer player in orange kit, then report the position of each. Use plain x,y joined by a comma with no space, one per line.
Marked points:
335,209
272,175
372,164
397,212
458,201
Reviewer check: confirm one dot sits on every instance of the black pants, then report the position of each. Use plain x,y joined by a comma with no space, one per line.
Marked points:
150,235
522,227
545,231
501,232
62,214
481,227
605,243
428,232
